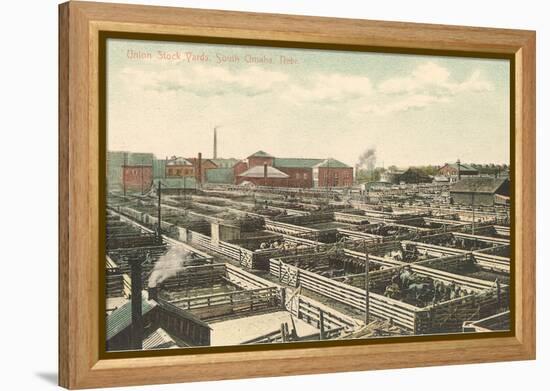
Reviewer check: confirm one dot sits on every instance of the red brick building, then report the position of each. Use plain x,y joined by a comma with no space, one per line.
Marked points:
333,173
451,170
304,172
239,168
137,178
259,158
178,167
205,165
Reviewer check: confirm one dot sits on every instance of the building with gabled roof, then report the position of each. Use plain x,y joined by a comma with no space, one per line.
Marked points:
295,162
261,153
179,167
264,176
178,326
414,176
305,172
479,190
332,173
452,170
260,158
129,171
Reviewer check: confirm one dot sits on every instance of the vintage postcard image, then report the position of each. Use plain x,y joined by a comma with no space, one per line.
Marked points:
259,195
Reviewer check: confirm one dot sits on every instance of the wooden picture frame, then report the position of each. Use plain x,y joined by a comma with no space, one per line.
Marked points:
81,166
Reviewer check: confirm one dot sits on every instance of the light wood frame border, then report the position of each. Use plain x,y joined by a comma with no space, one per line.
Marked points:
79,362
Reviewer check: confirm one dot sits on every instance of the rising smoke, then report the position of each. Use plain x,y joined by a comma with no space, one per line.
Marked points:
168,265
368,159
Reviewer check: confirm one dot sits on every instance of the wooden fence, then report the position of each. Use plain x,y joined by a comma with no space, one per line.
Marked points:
244,279
484,260
383,307
414,319
196,276
234,303
287,228
244,256
449,316
315,313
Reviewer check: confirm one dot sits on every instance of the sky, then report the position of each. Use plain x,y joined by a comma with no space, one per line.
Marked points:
166,98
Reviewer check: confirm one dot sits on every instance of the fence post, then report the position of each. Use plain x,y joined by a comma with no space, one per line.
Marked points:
321,324
498,292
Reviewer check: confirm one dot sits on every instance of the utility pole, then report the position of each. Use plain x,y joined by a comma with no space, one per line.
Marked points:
328,177
124,172
142,179
159,216
367,288
473,215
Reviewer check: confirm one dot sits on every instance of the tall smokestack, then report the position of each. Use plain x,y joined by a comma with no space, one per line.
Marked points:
136,330
199,169
265,174
458,167
215,143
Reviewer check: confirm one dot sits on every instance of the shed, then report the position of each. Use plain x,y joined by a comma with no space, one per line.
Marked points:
479,190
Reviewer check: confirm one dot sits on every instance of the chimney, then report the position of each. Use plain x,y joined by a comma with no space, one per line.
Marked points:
215,143
136,328
458,167
265,174
199,169
153,293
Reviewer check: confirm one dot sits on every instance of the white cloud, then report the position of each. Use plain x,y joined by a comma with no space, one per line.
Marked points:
434,79
333,87
426,85
205,80
402,103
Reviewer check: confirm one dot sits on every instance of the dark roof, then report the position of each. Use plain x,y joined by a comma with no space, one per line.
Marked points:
260,154
478,185
293,162
258,172
122,316
414,170
463,167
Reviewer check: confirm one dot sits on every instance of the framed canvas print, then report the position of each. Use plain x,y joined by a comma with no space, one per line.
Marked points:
248,195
